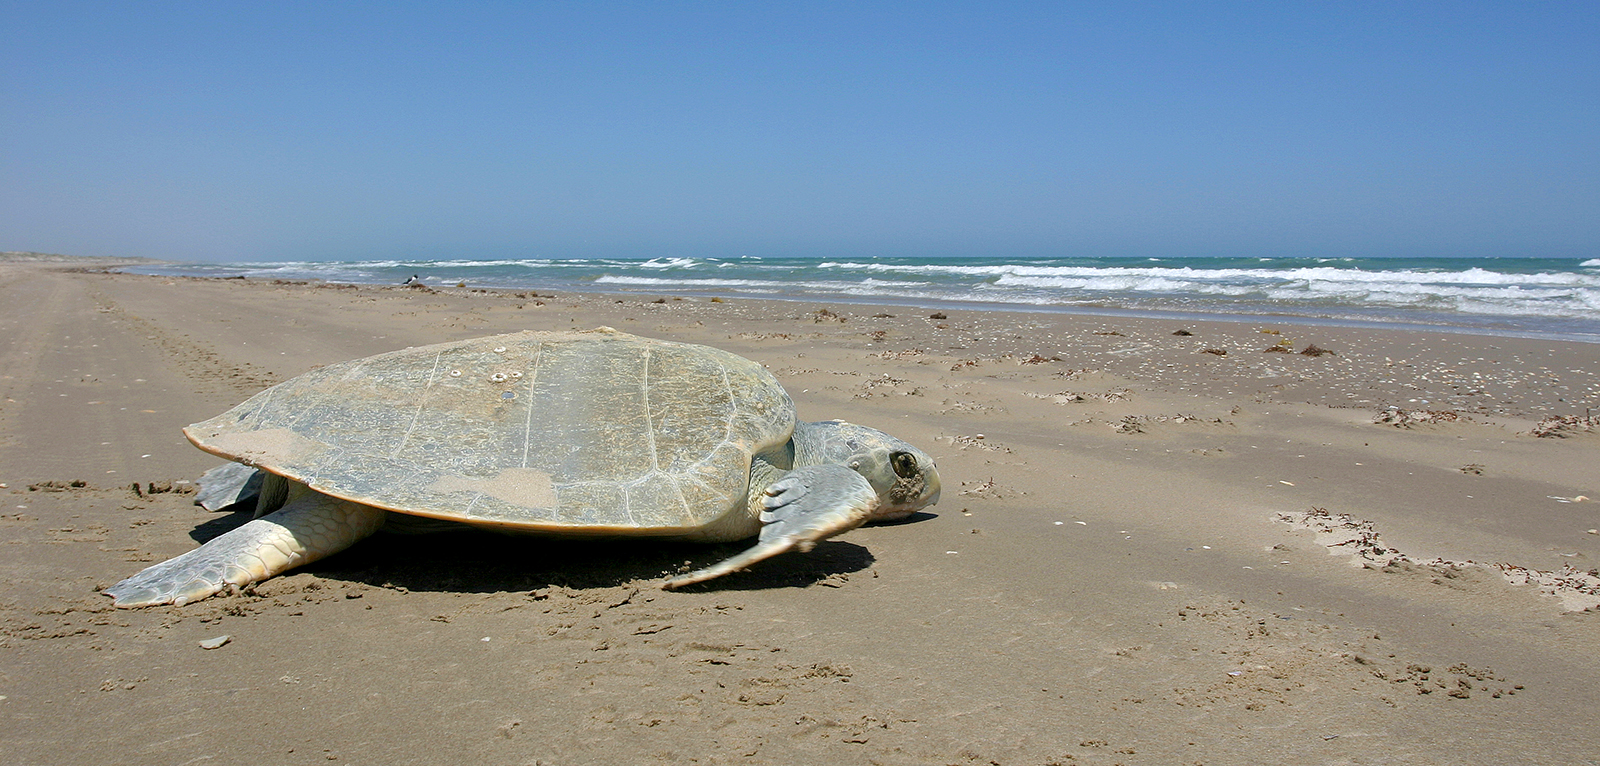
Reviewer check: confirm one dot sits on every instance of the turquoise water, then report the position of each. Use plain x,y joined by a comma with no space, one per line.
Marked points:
1538,297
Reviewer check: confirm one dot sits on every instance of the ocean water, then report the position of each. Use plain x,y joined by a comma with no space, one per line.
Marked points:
1534,297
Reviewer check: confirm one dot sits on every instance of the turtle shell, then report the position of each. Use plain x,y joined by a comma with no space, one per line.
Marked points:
599,431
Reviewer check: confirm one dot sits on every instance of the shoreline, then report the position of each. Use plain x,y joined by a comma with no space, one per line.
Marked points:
640,280
1109,569
1113,312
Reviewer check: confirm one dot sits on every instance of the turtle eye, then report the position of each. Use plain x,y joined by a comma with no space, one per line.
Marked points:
904,464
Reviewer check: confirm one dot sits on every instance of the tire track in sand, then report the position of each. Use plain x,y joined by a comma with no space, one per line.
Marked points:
197,361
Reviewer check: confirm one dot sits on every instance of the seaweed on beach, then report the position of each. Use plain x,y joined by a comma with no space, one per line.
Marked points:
1399,418
1561,426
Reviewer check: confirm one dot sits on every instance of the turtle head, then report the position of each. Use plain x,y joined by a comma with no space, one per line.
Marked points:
904,477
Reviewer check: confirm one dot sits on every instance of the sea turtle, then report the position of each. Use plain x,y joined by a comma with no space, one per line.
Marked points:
569,433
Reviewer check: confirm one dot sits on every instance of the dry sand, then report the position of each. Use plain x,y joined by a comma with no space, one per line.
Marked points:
1131,563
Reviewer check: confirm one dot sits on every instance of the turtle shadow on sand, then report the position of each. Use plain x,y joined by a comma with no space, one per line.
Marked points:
915,518
474,561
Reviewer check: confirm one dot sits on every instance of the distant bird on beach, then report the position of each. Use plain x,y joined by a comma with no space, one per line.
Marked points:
414,280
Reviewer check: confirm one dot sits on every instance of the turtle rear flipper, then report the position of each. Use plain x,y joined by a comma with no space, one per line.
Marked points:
227,485
805,507
310,527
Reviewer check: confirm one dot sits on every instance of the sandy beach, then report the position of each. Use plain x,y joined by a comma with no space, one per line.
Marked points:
1159,542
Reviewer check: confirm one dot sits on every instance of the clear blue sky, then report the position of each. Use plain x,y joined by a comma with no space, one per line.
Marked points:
288,131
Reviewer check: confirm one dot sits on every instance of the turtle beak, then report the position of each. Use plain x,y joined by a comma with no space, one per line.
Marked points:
931,496
930,487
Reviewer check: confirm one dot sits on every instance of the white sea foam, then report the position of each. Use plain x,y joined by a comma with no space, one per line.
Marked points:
1474,275
469,264
667,263
704,284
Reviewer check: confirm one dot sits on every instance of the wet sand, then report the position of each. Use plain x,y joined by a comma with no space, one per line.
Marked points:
1152,548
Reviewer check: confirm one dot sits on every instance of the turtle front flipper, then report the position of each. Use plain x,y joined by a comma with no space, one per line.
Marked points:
310,527
805,507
